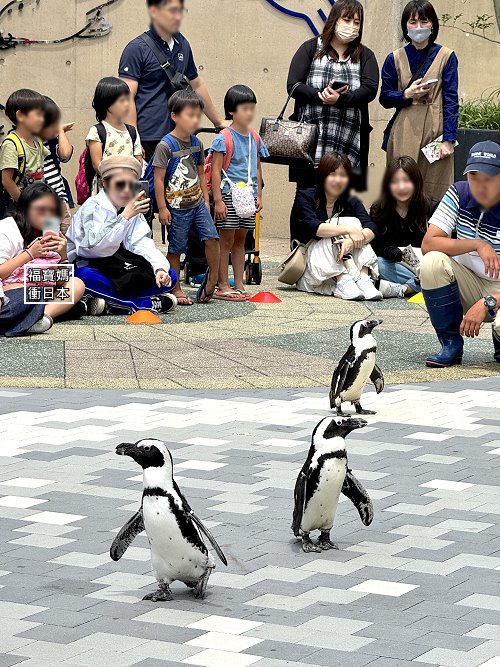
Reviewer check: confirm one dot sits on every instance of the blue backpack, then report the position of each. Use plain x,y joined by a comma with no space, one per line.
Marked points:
173,163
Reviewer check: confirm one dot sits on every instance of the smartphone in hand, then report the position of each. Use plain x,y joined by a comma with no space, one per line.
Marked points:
52,226
141,186
337,85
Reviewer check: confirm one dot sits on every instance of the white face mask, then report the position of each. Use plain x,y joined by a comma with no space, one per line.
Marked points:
346,33
419,35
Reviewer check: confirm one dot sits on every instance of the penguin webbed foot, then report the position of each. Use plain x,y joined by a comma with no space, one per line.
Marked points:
163,594
324,542
308,545
362,411
200,587
339,412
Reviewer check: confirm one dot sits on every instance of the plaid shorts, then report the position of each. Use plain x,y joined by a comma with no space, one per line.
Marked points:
233,221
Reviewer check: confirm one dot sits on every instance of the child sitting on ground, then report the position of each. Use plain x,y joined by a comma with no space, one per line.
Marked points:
182,193
111,135
243,176
22,153
60,150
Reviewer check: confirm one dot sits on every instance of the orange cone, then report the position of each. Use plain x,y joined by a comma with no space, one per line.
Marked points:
143,317
265,297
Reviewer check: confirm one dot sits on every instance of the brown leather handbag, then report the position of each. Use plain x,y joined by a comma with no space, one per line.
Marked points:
289,142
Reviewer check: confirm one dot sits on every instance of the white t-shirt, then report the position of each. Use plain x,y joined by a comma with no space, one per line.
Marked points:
118,142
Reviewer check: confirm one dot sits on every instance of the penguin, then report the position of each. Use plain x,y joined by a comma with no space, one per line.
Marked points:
357,366
172,528
322,479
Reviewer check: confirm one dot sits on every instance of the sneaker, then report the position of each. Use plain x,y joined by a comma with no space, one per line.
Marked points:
42,326
368,289
348,289
391,290
96,307
168,303
410,260
76,312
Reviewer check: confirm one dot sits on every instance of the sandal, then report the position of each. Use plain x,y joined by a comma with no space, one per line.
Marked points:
183,300
203,296
231,295
243,293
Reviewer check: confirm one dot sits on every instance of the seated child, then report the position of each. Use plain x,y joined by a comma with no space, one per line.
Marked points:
22,153
243,170
182,193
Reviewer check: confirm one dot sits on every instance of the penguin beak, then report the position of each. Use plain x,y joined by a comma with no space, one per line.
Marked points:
126,449
354,424
372,324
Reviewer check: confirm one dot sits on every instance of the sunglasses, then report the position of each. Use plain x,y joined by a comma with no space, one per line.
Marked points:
123,185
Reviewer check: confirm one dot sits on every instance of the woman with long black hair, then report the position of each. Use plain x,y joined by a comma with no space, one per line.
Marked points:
338,76
23,244
401,214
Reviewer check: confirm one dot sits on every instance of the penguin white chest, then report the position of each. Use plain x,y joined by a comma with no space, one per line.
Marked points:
320,511
173,557
365,369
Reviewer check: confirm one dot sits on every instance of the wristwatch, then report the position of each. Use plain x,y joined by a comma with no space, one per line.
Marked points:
491,304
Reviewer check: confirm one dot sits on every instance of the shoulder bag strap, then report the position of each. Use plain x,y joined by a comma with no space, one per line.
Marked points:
282,113
160,57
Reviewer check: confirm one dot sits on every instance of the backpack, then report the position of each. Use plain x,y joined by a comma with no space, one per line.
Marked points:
228,140
19,173
86,172
173,163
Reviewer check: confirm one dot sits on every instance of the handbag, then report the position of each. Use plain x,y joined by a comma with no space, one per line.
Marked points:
294,266
178,80
128,272
242,194
288,141
390,124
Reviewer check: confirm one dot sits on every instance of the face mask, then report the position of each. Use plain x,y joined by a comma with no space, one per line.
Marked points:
419,35
346,34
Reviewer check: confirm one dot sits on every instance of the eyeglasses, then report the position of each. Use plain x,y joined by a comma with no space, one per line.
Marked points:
176,11
123,185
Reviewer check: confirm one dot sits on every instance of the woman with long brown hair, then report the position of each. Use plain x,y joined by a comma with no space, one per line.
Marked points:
338,77
401,214
337,231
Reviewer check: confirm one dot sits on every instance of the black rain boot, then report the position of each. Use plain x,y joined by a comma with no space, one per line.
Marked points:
446,313
496,343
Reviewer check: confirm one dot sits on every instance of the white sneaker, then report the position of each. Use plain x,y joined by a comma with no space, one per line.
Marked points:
42,326
96,306
410,260
368,289
348,289
392,290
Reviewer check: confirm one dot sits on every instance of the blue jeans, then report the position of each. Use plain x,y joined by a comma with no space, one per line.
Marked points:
183,220
397,273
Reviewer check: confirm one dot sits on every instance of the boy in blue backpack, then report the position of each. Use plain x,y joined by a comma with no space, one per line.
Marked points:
182,193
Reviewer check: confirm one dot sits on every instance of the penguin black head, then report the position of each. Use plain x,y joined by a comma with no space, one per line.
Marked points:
340,426
148,453
362,328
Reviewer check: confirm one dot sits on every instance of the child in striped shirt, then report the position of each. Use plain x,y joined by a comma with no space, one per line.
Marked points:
55,139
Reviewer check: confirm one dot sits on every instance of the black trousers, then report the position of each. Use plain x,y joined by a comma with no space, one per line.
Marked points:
149,148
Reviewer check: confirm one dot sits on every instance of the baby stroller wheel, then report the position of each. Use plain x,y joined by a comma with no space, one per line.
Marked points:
248,272
257,271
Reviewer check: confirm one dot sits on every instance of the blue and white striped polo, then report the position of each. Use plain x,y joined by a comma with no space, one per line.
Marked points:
459,211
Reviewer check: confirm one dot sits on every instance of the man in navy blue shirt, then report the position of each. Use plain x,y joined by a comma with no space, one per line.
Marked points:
150,85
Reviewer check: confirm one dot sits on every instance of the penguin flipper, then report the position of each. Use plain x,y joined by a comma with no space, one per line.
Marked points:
199,523
358,495
300,499
377,378
340,374
127,535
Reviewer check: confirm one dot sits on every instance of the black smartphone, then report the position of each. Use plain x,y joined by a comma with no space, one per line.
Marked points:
338,84
142,186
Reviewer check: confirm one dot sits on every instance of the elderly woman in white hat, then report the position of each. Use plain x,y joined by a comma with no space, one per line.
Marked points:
110,242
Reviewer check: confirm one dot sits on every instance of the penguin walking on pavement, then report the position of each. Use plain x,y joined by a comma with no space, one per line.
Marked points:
323,477
357,366
173,530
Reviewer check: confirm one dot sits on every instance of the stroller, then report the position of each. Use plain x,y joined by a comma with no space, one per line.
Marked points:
194,263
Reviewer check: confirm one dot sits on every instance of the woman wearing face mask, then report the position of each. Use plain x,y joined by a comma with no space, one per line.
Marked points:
401,213
420,81
338,76
110,242
338,231
23,245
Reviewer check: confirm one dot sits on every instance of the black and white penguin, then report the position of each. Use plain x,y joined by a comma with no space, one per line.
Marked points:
322,478
357,366
173,530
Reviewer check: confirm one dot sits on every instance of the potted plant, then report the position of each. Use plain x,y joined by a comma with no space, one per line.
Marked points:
479,120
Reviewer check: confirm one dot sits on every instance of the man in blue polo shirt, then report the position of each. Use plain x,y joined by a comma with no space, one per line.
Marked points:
460,276
150,84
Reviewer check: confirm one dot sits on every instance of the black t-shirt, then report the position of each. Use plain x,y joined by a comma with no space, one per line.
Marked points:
398,233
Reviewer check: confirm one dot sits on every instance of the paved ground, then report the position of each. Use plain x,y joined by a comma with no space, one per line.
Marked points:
295,343
419,587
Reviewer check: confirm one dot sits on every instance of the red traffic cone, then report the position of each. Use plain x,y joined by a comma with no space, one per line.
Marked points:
143,317
265,297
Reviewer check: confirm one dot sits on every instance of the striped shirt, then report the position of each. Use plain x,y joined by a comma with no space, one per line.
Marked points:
52,175
460,212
